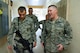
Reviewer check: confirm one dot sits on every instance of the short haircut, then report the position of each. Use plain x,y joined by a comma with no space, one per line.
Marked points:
21,8
30,8
52,6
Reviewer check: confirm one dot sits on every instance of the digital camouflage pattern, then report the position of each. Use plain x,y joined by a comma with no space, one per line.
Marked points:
56,32
26,28
35,20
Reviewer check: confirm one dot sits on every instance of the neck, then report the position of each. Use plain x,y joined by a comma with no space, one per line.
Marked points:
55,17
30,14
22,19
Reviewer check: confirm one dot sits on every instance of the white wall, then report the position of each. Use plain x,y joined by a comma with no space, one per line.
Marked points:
74,19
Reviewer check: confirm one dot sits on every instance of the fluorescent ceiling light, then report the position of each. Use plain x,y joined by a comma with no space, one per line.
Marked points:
36,2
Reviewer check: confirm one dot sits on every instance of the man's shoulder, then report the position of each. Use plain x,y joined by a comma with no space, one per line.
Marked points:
61,19
42,21
29,19
15,19
31,15
34,15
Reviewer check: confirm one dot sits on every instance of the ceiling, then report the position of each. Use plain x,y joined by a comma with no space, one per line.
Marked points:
36,3
40,3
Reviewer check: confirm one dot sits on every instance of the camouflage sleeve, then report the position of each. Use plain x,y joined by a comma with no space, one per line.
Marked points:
10,34
40,22
68,35
33,32
36,23
43,34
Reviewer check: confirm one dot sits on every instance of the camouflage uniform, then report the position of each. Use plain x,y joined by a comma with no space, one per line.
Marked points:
42,22
56,32
26,29
43,33
35,20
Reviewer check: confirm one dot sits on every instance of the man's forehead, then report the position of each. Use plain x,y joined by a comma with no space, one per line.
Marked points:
21,11
52,8
30,10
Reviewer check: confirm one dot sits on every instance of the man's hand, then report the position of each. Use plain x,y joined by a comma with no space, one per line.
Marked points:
9,47
34,44
60,47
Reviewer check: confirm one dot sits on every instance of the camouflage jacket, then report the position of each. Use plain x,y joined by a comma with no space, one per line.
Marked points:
56,32
35,20
26,28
